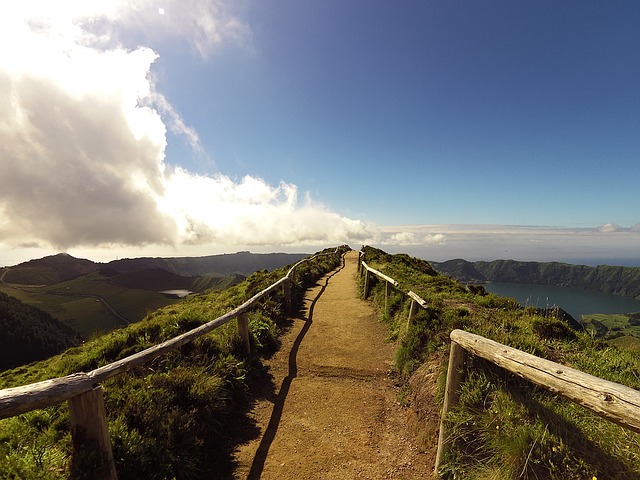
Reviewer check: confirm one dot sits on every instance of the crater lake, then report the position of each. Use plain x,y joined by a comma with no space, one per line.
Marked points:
575,301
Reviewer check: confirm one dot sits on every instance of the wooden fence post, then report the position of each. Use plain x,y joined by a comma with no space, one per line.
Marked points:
387,292
287,295
243,330
366,283
89,428
455,376
412,312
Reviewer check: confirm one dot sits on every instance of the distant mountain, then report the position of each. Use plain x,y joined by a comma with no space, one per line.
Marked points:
62,267
151,279
49,270
243,263
603,278
98,297
28,334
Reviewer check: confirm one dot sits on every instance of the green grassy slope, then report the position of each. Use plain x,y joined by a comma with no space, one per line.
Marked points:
48,270
28,334
505,428
226,264
96,298
603,278
76,302
622,330
181,416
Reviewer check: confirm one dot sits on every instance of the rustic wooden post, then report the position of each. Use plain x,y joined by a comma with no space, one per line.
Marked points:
243,330
89,427
412,311
455,376
387,292
287,295
366,283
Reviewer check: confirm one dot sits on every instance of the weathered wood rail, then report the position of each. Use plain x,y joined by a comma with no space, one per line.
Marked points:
614,402
83,391
389,282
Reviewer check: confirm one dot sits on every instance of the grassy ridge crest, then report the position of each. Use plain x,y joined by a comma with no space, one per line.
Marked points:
179,417
504,427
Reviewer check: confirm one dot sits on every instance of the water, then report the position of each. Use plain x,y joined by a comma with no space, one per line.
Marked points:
178,293
575,301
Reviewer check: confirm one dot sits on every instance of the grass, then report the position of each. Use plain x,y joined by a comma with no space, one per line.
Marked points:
621,330
175,418
66,302
87,316
505,427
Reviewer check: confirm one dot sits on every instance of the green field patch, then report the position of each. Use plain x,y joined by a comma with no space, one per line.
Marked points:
620,330
135,304
91,284
87,316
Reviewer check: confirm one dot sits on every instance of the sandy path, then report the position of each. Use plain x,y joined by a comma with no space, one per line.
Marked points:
335,414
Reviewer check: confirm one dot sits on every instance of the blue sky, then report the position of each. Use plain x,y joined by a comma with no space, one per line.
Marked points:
447,129
481,112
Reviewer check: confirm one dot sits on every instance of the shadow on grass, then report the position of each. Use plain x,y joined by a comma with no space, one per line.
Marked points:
606,465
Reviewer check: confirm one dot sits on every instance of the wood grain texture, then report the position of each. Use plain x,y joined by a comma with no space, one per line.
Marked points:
613,401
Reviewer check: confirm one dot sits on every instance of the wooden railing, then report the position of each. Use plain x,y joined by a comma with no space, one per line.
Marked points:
416,301
615,402
83,391
612,401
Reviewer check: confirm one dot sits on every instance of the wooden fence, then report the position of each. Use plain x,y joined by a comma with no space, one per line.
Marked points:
612,401
389,282
83,391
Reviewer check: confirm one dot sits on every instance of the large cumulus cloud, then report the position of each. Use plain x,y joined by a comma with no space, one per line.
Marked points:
83,136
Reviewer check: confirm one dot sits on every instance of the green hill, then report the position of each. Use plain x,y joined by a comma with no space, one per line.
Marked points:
94,298
183,415
62,267
28,334
243,263
603,278
49,270
504,427
177,417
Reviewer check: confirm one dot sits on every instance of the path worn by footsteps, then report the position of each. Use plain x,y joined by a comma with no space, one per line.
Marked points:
335,414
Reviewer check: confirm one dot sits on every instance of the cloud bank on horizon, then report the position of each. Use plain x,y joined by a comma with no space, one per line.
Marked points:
84,132
610,243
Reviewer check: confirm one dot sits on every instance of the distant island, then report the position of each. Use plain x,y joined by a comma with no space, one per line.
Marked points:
603,278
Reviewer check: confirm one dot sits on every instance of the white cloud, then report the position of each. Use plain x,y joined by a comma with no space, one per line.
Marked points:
251,212
83,137
534,243
610,228
408,236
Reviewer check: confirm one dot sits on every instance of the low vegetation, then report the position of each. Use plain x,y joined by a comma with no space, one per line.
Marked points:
28,334
177,417
621,330
96,298
80,302
181,416
505,427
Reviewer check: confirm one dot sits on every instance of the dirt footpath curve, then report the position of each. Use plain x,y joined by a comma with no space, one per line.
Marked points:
335,414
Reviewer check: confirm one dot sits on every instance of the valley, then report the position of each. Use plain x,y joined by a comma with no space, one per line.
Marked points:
94,298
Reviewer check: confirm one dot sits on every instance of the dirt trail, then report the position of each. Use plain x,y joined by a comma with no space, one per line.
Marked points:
336,413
